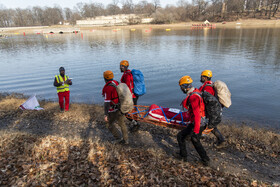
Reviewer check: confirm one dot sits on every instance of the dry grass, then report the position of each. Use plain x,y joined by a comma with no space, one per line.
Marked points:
30,160
52,158
253,139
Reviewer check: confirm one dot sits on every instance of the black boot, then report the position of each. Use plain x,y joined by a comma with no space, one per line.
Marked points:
220,137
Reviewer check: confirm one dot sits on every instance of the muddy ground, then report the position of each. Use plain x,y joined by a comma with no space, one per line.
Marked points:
49,148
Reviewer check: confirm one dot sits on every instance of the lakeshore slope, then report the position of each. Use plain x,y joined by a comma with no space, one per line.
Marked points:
74,148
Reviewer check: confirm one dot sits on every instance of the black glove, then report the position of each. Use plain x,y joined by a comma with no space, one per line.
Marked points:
194,135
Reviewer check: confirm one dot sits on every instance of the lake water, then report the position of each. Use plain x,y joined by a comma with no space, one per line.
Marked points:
246,59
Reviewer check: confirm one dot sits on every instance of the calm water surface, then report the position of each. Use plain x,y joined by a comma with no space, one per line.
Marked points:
246,59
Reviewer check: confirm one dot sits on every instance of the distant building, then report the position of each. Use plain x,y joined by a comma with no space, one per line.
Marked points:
120,19
66,23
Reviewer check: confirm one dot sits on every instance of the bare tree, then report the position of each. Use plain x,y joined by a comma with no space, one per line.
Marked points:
67,14
156,4
127,7
276,7
113,8
143,7
6,16
235,6
38,14
218,7
53,16
182,10
200,7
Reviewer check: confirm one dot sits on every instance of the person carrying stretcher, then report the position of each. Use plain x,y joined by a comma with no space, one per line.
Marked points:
207,86
112,112
194,104
127,78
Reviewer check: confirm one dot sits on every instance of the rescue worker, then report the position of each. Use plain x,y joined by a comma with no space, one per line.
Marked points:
127,78
112,112
62,82
207,86
194,104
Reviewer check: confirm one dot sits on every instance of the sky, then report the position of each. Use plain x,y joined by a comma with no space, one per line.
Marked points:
65,3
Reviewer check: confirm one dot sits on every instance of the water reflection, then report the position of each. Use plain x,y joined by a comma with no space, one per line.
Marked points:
246,59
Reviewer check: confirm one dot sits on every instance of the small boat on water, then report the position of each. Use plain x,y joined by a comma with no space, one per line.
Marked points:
203,25
206,24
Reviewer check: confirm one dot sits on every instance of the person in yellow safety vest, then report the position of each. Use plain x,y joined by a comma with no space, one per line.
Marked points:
62,82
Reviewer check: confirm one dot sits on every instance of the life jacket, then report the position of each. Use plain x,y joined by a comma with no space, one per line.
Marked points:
64,87
186,102
114,98
208,83
130,84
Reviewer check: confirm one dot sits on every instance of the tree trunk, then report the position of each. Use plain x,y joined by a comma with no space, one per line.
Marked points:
266,9
276,8
223,10
270,8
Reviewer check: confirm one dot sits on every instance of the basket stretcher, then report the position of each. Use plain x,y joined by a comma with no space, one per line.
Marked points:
177,121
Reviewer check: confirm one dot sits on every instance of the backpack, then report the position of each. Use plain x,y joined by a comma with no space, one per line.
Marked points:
125,97
223,93
213,108
138,81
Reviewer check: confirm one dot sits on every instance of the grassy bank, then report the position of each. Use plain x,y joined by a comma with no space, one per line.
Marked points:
74,148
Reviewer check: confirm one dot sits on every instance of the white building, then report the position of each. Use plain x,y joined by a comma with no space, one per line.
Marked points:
120,19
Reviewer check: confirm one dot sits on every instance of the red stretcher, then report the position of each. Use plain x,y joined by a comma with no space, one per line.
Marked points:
161,116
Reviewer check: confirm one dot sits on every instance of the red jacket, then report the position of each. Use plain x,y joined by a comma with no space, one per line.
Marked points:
194,104
208,87
110,94
127,78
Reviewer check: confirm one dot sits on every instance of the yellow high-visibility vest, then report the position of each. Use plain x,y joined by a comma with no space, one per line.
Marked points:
64,87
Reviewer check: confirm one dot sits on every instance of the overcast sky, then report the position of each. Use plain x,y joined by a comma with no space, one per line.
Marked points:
65,3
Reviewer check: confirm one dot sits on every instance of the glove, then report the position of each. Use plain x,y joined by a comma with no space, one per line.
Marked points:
195,135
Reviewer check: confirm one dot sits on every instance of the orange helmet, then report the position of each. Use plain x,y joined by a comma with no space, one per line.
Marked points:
207,73
108,74
185,80
124,63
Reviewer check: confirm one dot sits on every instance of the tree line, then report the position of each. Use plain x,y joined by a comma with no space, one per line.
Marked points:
197,10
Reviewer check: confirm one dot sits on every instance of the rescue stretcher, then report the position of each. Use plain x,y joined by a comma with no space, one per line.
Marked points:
160,116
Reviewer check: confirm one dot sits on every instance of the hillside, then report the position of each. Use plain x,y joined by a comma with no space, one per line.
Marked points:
49,148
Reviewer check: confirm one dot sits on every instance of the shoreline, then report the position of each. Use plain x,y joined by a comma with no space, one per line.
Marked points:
226,119
246,23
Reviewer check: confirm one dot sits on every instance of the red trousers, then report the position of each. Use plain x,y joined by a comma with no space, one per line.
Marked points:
61,96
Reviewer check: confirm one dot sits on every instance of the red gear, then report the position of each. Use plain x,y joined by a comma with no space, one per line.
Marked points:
194,104
61,96
207,88
127,78
110,94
